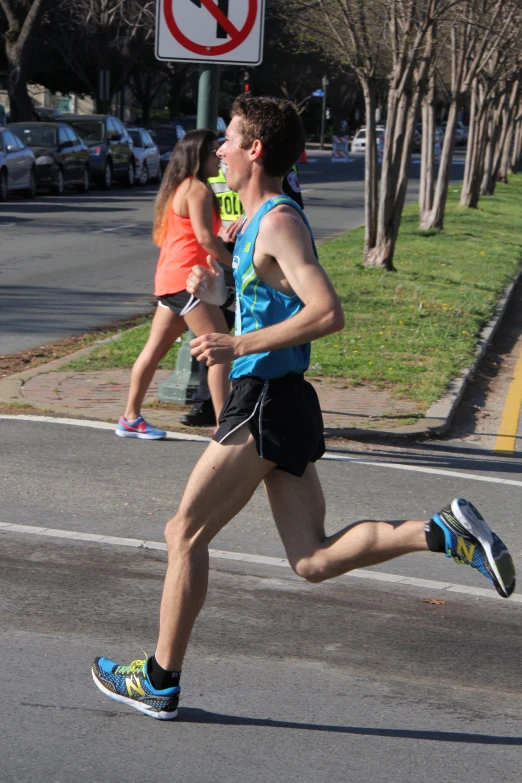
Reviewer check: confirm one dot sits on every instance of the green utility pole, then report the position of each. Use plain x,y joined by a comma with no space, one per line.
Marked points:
181,385
208,95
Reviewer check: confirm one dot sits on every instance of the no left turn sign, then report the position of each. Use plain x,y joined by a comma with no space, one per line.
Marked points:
220,31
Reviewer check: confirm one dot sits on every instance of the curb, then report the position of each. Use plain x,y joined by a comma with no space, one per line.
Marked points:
437,420
439,416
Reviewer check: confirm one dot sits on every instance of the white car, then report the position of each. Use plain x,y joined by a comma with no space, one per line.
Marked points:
359,140
146,154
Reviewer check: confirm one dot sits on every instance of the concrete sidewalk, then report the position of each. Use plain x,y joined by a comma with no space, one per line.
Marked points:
348,411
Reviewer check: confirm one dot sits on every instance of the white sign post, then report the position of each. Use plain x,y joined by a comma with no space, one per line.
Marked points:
225,32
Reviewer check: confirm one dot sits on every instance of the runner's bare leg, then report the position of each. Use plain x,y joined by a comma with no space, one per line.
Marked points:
221,484
205,319
298,509
164,331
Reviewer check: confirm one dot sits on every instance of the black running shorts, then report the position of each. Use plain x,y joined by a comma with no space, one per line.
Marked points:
284,417
180,303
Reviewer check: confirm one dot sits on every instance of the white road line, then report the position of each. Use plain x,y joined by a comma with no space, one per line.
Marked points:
116,228
98,425
219,554
418,469
103,425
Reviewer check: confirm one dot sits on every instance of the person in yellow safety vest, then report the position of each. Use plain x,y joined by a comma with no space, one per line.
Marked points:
231,212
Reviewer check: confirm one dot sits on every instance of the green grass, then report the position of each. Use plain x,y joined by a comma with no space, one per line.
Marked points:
122,353
413,330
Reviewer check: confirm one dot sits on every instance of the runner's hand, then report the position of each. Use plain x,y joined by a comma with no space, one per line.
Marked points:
229,233
208,284
214,348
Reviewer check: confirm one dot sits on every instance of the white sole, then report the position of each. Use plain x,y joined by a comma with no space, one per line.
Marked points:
135,704
481,530
140,435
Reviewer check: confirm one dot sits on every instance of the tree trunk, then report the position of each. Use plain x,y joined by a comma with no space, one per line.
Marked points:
470,194
18,39
436,218
506,135
489,177
427,171
517,145
370,167
480,117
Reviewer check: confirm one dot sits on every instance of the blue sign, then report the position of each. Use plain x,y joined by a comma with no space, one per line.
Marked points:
318,94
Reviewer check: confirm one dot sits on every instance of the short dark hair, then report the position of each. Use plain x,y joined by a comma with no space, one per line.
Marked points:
276,123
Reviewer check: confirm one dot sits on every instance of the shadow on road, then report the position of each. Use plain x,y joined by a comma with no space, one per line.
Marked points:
195,715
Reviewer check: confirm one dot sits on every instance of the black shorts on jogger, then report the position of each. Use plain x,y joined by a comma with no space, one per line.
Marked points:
283,415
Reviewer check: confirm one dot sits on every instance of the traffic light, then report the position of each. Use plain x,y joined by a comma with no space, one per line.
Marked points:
246,81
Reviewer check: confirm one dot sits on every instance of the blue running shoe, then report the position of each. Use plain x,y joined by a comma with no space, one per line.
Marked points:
138,429
131,685
470,540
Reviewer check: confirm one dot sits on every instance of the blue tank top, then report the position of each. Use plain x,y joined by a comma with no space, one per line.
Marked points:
259,305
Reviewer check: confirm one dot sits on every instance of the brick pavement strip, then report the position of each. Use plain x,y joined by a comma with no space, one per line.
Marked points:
103,393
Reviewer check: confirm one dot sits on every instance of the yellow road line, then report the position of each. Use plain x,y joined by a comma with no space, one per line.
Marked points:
507,433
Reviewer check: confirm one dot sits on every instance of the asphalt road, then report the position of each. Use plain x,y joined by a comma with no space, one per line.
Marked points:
72,263
284,681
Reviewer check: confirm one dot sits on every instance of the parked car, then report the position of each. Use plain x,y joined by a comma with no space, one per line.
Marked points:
165,137
62,158
111,155
359,140
190,122
46,114
417,137
17,166
461,132
146,154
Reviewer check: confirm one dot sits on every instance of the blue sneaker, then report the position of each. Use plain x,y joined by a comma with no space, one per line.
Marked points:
131,685
469,540
138,429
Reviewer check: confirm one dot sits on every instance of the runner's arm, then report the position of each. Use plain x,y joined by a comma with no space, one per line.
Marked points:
200,206
284,236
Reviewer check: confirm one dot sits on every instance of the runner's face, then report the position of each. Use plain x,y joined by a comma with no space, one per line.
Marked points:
212,162
237,160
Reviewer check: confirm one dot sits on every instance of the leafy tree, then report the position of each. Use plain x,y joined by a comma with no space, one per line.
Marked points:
20,21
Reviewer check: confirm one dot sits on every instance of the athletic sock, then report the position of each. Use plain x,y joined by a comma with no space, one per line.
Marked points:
162,678
131,421
435,537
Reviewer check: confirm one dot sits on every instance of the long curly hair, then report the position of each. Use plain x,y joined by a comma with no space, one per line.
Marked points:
187,160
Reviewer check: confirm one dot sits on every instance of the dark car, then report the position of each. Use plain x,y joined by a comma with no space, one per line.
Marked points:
46,114
190,122
165,137
17,166
62,158
111,154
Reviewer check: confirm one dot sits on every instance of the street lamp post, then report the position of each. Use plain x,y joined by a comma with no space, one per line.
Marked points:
323,112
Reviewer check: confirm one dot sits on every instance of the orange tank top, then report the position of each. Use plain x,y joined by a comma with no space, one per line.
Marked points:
180,251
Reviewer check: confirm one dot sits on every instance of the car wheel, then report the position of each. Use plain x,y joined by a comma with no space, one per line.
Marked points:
86,183
59,187
107,177
4,188
130,176
144,176
30,192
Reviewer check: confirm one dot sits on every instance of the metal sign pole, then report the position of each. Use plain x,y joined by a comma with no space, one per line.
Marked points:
208,95
323,111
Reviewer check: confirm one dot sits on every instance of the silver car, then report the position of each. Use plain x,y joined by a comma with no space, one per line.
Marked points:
17,166
146,154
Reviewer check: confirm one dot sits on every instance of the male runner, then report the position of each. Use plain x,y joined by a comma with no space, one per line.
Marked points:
271,429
